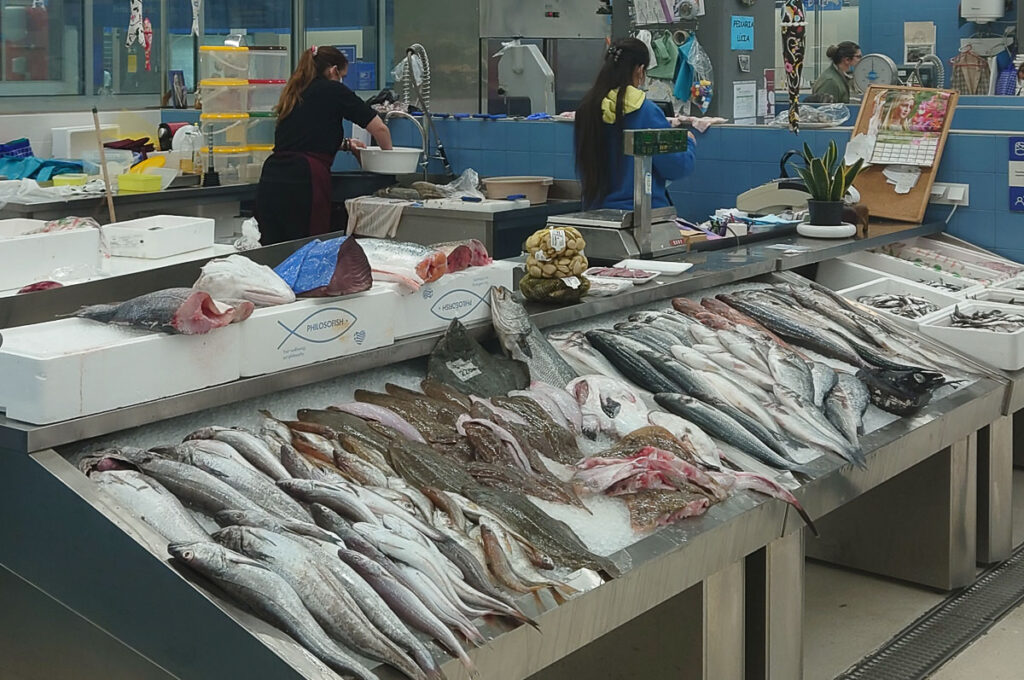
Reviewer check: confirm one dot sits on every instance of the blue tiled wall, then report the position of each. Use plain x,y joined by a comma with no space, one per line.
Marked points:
881,25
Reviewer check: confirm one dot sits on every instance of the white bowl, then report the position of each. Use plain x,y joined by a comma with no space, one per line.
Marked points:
398,161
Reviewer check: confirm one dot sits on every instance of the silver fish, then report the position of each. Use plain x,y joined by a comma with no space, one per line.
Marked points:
791,371
578,352
227,518
270,596
523,342
262,456
329,603
340,499
147,500
824,378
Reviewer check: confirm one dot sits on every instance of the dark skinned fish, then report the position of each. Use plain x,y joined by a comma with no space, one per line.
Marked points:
462,363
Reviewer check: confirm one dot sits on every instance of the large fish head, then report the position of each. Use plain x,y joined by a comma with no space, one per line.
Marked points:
509,316
209,558
610,407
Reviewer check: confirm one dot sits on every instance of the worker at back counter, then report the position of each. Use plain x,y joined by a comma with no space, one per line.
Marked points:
835,84
615,103
293,199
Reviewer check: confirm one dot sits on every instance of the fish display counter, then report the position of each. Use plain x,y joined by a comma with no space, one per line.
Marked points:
512,501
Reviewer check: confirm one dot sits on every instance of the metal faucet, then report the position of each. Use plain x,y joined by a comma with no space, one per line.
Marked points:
423,135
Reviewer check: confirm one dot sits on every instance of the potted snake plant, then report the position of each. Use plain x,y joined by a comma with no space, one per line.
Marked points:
827,179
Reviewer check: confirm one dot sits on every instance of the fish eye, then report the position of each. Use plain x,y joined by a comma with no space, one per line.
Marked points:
187,555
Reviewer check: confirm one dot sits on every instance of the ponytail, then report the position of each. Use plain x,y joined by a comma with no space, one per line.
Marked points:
312,65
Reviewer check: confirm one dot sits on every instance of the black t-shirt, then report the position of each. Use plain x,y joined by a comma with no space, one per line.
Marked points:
314,125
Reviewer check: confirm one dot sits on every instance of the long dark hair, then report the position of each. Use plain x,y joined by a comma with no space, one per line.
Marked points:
844,50
592,166
312,64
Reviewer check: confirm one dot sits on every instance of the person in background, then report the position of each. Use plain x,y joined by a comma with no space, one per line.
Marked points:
835,84
615,103
293,199
1020,81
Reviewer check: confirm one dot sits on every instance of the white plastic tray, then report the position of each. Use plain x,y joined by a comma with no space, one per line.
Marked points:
159,236
839,274
912,272
1001,350
668,268
888,285
943,253
590,274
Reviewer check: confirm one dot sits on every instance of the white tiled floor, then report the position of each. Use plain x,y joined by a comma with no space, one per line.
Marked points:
849,615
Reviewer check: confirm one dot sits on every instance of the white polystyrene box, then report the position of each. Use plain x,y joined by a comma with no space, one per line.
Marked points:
838,274
317,329
70,368
964,261
912,272
26,259
893,286
463,295
1001,350
159,236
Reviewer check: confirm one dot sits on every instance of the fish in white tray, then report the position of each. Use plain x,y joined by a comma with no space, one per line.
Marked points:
523,342
173,310
257,586
147,500
236,277
409,264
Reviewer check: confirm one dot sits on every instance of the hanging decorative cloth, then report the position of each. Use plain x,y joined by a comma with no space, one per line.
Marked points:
147,41
794,41
135,30
196,6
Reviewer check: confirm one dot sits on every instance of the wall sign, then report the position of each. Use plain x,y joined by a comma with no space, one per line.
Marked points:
1016,174
742,30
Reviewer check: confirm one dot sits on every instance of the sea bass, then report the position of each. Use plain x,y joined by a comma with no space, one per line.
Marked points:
523,342
409,264
236,277
173,310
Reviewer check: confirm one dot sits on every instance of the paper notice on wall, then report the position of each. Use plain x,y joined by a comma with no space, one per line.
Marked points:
918,40
744,101
196,7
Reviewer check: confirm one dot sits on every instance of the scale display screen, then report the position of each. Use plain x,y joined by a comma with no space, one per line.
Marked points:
655,142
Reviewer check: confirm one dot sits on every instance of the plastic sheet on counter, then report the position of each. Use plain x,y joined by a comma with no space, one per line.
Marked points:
811,117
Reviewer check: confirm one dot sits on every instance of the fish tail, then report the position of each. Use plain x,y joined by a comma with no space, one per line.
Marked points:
101,313
352,272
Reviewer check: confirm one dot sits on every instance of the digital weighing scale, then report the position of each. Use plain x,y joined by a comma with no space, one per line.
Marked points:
643,232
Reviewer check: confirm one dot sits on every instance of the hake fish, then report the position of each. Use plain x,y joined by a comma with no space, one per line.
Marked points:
251,447
147,500
270,596
523,342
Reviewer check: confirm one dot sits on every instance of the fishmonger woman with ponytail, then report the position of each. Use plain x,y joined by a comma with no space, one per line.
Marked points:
294,195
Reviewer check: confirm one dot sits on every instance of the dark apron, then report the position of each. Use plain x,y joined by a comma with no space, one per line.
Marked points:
294,196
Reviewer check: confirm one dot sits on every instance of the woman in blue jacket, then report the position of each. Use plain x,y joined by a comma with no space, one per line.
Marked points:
615,103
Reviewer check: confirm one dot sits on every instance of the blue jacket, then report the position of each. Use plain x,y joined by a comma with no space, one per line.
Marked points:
667,167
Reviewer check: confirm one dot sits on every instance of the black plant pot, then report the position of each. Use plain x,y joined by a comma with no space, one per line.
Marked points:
825,213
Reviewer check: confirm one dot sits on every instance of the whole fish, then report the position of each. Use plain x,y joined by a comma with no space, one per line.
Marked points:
423,467
651,508
330,604
429,423
409,264
270,596
382,415
610,406
845,405
902,393
252,448
627,359
516,481
740,319
745,350
267,521
714,359
191,485
173,310
657,339
564,444
523,342
236,277
405,603
462,363
248,481
705,448
342,500
791,371
447,394
499,563
563,402
837,443
550,535
580,354
824,378
724,427
146,499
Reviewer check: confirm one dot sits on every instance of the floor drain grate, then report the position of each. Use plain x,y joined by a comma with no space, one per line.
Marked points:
945,630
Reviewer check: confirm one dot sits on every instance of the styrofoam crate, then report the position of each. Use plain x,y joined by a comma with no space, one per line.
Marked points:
463,295
1001,296
317,329
26,259
887,285
952,257
159,236
71,142
70,368
1001,350
838,274
912,272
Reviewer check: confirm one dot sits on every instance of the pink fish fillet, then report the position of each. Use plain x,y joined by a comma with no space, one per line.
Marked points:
411,264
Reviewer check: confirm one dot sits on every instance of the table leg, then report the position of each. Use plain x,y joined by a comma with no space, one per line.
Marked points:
995,491
775,610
